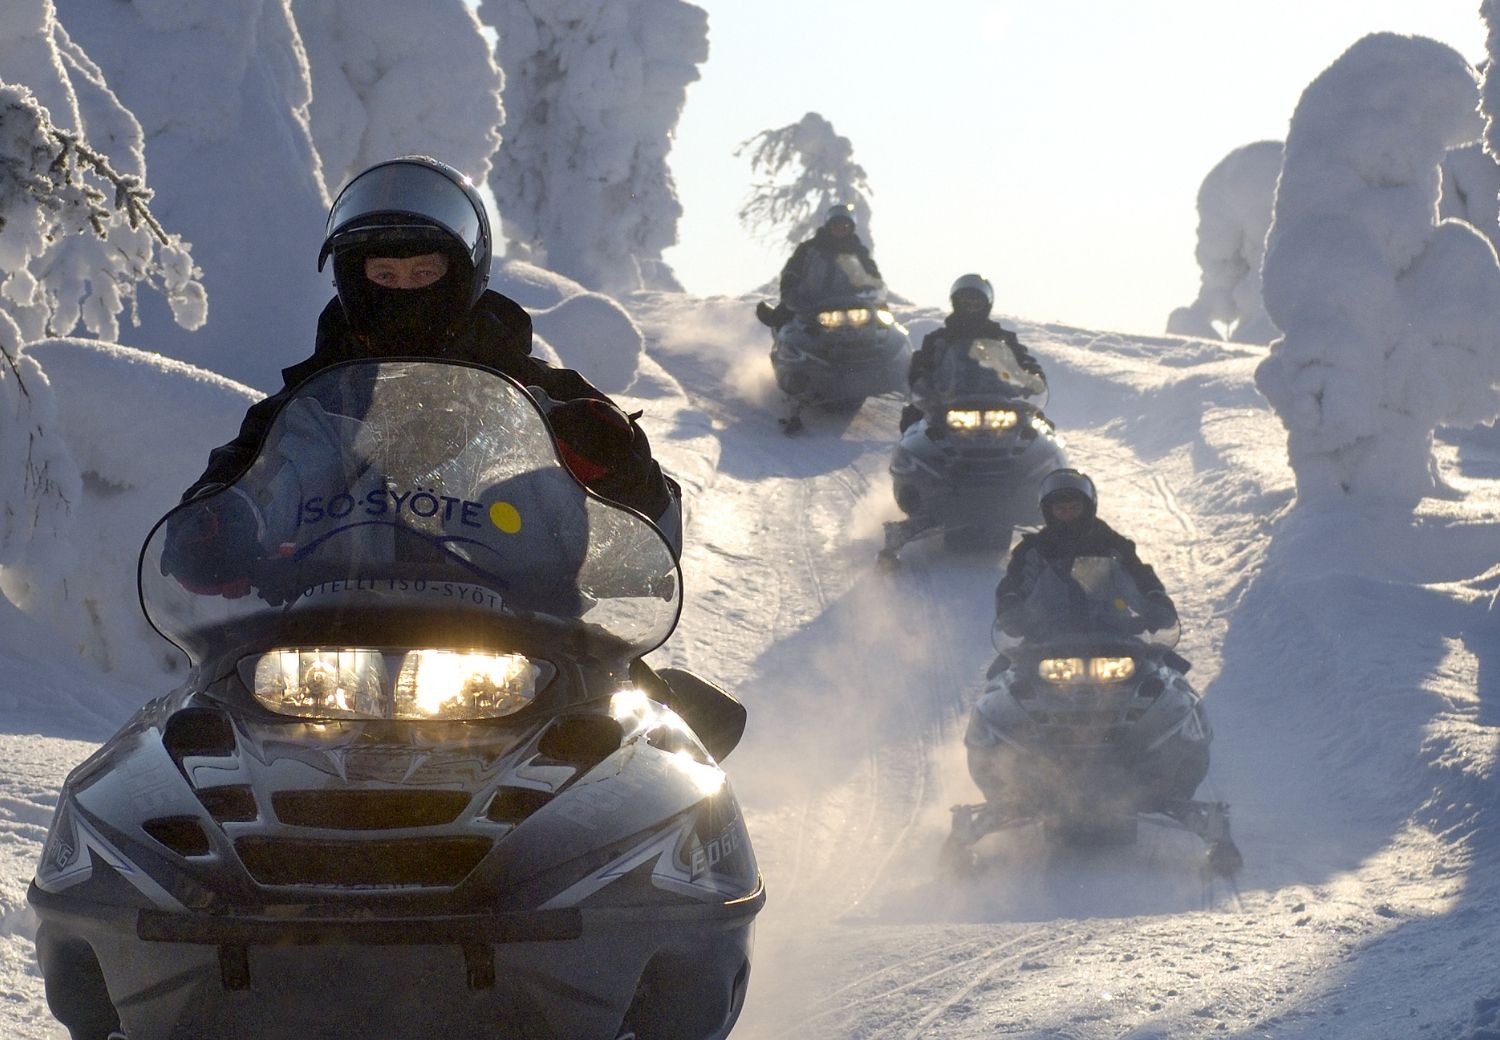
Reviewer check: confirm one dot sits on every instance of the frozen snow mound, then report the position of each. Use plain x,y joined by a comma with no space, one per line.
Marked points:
593,334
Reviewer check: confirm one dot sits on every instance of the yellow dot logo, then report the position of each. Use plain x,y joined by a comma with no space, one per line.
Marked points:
505,516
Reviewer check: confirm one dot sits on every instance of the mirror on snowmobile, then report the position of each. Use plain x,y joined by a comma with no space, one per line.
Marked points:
713,714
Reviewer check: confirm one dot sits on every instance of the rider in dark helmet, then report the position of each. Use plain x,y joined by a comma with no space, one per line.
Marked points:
812,272
972,297
1072,528
410,244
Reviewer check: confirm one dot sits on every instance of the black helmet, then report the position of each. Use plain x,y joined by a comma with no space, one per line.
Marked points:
406,207
973,283
844,211
1065,482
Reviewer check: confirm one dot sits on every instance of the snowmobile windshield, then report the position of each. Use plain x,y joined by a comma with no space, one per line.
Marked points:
836,283
987,369
408,503
1093,599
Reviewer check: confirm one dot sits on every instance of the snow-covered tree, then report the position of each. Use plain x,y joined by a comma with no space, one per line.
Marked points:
1234,213
593,92
221,91
76,240
1471,189
806,167
390,77
1388,315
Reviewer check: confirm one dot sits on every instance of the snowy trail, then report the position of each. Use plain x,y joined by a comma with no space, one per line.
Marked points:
860,939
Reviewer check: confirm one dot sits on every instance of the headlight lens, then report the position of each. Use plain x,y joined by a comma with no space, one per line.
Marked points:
854,317
450,684
1079,671
427,684
993,419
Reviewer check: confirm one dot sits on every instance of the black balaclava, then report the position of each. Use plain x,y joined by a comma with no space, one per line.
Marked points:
403,319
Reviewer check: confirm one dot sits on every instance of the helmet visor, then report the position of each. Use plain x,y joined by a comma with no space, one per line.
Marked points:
398,199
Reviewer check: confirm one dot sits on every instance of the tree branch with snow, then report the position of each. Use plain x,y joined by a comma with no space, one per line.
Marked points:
76,235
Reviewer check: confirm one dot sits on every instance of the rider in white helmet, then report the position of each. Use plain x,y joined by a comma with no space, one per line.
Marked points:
972,297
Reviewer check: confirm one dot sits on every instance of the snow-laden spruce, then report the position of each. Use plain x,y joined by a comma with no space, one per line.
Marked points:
808,167
390,77
1387,316
1234,213
593,91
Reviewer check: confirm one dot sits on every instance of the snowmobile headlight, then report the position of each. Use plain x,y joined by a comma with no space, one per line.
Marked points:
857,316
995,420
321,683
1080,671
381,684
1111,669
452,684
884,317
831,319
964,418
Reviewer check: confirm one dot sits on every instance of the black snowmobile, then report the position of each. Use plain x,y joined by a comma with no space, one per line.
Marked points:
841,348
1088,725
418,782
971,465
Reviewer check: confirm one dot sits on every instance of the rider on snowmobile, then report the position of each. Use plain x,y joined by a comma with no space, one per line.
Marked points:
811,271
1069,506
410,243
972,297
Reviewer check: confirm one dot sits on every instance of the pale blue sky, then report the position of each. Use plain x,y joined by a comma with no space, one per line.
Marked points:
1055,147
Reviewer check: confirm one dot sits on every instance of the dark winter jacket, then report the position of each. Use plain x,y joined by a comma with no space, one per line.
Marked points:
811,273
1058,544
957,332
613,456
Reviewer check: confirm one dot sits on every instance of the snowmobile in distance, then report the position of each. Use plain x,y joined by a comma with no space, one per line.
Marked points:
1088,726
418,782
970,467
842,348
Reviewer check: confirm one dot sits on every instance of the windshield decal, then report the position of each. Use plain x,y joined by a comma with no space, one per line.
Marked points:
423,504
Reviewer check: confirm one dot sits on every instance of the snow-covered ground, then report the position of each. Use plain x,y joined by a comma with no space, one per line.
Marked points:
1341,653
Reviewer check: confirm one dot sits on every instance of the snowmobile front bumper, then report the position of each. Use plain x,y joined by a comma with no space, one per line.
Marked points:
570,973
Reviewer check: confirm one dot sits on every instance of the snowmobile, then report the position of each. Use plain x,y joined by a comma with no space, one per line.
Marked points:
840,349
418,781
1087,724
971,465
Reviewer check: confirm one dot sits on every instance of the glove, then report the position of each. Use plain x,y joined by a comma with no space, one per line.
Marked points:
910,414
211,542
1159,612
594,436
